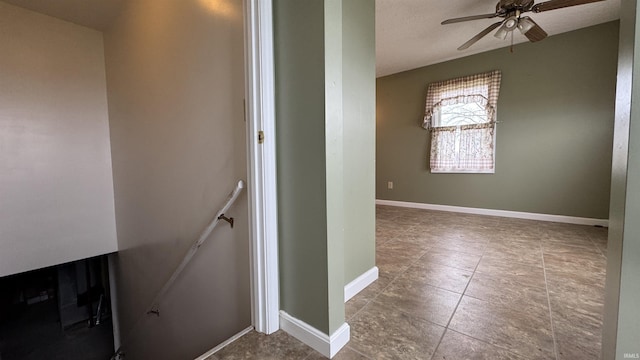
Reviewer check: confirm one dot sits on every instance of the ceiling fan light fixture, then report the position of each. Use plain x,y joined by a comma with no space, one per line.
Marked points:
525,24
502,32
509,24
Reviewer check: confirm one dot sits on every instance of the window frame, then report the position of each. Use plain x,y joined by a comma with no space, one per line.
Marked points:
481,89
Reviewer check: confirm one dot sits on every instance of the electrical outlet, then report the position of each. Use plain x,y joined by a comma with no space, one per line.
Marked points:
390,185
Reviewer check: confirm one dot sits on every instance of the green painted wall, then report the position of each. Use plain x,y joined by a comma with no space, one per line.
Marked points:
554,136
629,316
325,101
618,180
621,317
359,136
300,127
334,118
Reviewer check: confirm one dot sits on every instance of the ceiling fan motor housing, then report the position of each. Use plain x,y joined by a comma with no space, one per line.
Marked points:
504,7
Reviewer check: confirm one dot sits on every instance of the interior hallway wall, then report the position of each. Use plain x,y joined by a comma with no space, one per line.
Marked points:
359,131
621,317
325,122
56,188
175,77
301,158
554,133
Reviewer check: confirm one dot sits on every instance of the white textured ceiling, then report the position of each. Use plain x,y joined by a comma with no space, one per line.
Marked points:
409,34
95,14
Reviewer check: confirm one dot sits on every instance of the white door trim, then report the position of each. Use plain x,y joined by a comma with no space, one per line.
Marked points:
260,107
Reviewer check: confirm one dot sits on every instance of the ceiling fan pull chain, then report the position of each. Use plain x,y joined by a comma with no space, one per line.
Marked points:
511,48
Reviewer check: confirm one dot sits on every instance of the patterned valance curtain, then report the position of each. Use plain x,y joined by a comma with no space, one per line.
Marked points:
480,88
464,146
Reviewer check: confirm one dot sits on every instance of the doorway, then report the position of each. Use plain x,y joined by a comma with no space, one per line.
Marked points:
529,139
175,84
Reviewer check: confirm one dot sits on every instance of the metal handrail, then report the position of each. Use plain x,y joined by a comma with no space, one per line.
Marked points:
153,308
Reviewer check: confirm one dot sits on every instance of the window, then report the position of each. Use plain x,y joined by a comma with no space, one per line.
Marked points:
460,114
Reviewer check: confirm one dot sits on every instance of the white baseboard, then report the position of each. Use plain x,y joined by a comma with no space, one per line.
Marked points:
501,213
225,343
314,338
360,283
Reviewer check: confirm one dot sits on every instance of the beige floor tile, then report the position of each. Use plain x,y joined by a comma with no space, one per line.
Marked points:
581,314
504,242
570,240
526,334
253,345
384,234
599,236
572,289
577,342
440,276
456,346
467,247
381,332
587,249
392,258
577,265
517,292
451,258
577,324
423,242
345,354
524,257
362,298
376,287
423,232
418,299
354,305
504,267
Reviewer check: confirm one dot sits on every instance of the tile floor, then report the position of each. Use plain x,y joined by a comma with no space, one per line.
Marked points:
457,286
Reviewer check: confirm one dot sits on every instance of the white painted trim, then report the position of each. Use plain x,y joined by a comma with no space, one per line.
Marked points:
260,107
360,283
501,213
314,338
225,343
492,171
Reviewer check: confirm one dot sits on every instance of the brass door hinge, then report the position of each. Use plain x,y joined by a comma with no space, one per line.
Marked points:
260,137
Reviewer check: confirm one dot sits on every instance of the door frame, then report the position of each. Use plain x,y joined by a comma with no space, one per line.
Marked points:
262,185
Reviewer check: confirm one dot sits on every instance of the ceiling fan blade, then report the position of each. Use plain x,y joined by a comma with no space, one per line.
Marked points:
468,18
558,4
531,30
482,34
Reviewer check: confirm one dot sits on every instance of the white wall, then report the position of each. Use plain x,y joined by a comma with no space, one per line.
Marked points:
56,189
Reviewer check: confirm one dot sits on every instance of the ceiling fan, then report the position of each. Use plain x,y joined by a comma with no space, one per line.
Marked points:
511,11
